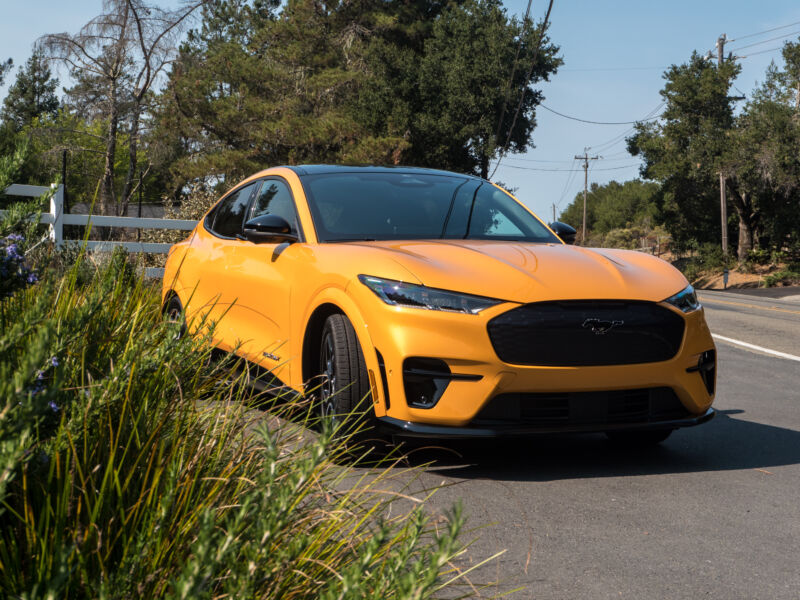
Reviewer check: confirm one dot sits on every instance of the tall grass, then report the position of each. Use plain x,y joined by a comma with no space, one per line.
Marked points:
132,466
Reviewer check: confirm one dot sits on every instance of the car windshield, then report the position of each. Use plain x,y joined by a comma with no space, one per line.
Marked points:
353,206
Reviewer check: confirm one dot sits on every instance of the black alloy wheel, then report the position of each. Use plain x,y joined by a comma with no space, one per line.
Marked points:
173,313
343,394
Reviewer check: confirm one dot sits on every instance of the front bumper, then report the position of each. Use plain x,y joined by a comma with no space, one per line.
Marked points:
408,429
462,342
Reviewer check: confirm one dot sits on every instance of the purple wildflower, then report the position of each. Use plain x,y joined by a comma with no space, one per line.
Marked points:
32,278
15,237
53,406
53,361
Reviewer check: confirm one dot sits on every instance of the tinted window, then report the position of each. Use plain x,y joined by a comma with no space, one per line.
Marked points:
390,206
495,215
229,215
275,198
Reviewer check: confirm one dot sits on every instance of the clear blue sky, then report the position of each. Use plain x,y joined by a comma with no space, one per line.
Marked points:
615,53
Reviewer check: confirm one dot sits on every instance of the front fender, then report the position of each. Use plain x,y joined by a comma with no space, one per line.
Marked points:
342,301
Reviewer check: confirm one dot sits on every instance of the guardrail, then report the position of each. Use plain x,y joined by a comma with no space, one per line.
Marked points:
56,219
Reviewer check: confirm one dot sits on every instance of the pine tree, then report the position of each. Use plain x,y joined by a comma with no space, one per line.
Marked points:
32,95
4,68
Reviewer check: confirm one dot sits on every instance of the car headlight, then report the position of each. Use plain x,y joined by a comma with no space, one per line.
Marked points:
685,300
398,293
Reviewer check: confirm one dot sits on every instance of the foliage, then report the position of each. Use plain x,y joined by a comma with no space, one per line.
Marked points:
615,206
116,59
447,94
131,467
782,277
5,67
383,83
683,150
709,257
32,95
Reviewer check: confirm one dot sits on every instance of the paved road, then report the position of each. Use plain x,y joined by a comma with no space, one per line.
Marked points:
714,512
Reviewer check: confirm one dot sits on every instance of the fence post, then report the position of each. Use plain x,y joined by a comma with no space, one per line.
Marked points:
57,211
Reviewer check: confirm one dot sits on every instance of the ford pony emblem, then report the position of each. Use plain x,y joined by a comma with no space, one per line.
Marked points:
600,326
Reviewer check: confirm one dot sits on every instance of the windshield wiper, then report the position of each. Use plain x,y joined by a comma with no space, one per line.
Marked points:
355,239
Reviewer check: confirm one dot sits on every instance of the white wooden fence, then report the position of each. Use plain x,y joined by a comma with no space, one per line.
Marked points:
56,219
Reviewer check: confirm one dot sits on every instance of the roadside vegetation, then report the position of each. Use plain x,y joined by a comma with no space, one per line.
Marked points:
134,465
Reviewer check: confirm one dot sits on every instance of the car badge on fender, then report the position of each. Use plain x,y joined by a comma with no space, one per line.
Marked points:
601,327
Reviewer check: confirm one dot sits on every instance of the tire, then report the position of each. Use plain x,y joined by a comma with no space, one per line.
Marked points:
638,439
343,393
173,313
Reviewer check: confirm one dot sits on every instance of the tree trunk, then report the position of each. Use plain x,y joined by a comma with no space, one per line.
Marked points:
747,221
133,146
745,238
484,167
108,198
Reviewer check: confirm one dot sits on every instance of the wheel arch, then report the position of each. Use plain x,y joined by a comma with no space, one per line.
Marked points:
331,302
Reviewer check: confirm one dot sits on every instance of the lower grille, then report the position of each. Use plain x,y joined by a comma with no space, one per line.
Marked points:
586,333
645,405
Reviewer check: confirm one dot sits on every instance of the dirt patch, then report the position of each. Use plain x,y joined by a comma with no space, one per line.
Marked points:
736,280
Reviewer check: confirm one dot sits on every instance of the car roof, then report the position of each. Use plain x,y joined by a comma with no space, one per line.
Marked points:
302,170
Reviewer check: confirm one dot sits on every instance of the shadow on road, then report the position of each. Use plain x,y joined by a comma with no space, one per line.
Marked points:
728,442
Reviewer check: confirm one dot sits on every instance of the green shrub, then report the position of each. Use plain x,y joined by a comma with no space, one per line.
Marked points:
126,469
782,277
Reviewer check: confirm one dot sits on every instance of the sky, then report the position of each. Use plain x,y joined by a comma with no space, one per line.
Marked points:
614,52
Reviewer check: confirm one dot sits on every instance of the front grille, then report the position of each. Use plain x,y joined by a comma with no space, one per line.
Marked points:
586,333
647,405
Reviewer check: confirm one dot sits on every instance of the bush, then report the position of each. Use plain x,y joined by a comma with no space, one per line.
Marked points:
126,468
782,277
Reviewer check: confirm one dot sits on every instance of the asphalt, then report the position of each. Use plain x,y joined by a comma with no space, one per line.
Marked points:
713,512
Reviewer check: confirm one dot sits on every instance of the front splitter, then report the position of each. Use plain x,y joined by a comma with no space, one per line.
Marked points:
400,428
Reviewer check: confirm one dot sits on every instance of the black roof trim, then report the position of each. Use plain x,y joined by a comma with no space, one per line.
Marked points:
302,170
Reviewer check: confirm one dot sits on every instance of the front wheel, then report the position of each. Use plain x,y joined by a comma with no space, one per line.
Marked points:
343,394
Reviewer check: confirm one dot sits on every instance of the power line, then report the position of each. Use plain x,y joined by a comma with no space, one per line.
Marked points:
614,69
525,88
749,35
570,170
596,122
513,72
760,52
780,37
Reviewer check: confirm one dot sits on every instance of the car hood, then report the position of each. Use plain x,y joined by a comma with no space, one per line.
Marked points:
525,272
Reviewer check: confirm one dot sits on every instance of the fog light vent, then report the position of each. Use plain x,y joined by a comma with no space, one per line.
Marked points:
425,380
707,368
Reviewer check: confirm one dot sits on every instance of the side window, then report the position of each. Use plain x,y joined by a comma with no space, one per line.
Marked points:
275,198
229,215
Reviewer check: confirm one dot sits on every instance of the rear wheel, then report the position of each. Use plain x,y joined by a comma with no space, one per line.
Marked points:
343,394
173,313
649,437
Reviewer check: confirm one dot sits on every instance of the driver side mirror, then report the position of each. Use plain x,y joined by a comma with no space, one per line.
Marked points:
269,229
564,231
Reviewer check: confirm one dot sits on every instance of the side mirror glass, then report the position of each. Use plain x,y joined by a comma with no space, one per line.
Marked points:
271,229
564,231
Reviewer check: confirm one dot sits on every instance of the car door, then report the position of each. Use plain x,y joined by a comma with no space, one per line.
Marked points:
260,277
214,252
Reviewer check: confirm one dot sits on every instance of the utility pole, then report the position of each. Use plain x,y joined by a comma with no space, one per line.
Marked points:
554,212
585,158
723,200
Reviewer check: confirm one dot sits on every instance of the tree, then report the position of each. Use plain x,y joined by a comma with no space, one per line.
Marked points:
32,95
390,82
763,161
450,96
5,67
684,150
117,57
616,206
